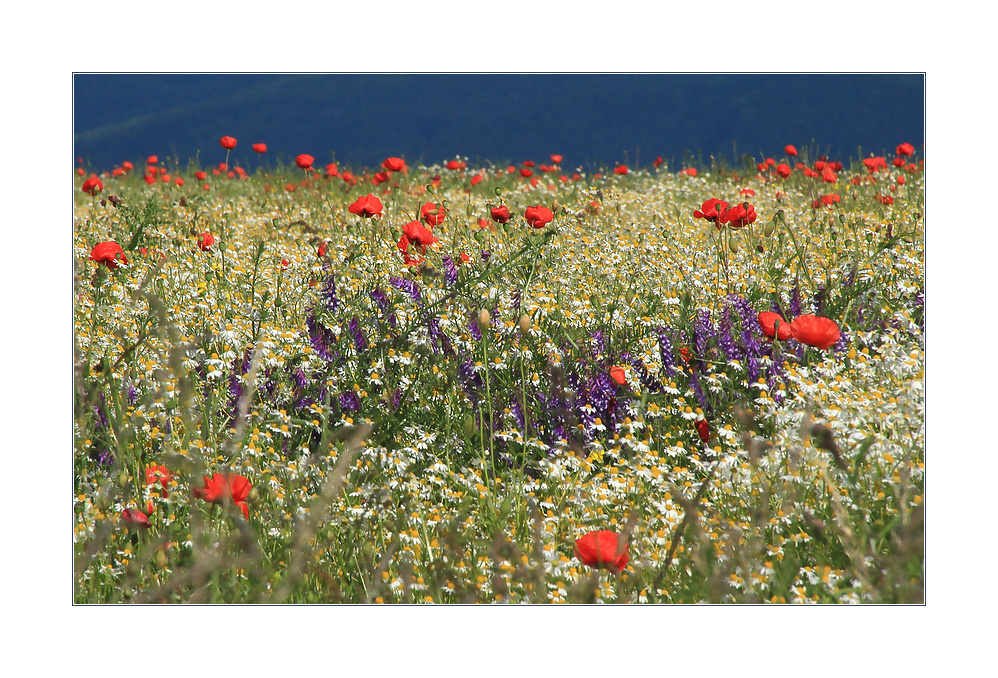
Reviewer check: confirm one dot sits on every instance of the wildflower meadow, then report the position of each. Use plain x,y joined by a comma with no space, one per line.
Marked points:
303,382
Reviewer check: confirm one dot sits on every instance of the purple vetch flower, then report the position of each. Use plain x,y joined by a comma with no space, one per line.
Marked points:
408,286
101,455
485,255
598,343
699,392
517,412
396,399
724,339
665,349
819,301
349,401
321,337
329,293
473,327
703,331
517,296
360,342
381,299
795,303
441,343
131,393
450,271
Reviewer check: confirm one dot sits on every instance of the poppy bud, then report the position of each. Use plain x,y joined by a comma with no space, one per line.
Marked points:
525,324
768,229
161,559
733,245
484,319
469,426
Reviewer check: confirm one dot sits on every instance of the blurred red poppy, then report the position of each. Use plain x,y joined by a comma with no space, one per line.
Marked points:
455,165
367,206
783,170
108,253
228,143
152,160
658,161
332,169
790,149
500,214
618,375
394,164
418,234
304,161
556,159
206,240
200,175
767,321
220,487
321,252
134,518
827,200
157,473
827,175
380,177
620,169
93,185
260,148
432,214
814,331
602,549
538,216
703,430
127,165
477,179
905,149
689,171
885,199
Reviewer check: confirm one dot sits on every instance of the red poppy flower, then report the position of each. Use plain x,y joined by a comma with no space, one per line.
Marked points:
783,170
394,164
738,215
619,375
200,175
711,210
658,161
620,169
703,430
455,165
157,473
477,179
206,240
304,161
538,216
367,206
885,199
827,175
228,143
260,148
220,487
767,321
93,185
602,549
127,165
526,172
108,253
827,200
380,177
689,171
134,518
321,252
500,214
418,234
905,149
152,160
790,149
556,159
432,214
814,331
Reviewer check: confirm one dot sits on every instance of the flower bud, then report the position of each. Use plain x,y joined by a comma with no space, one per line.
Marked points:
525,324
733,245
484,319
768,229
